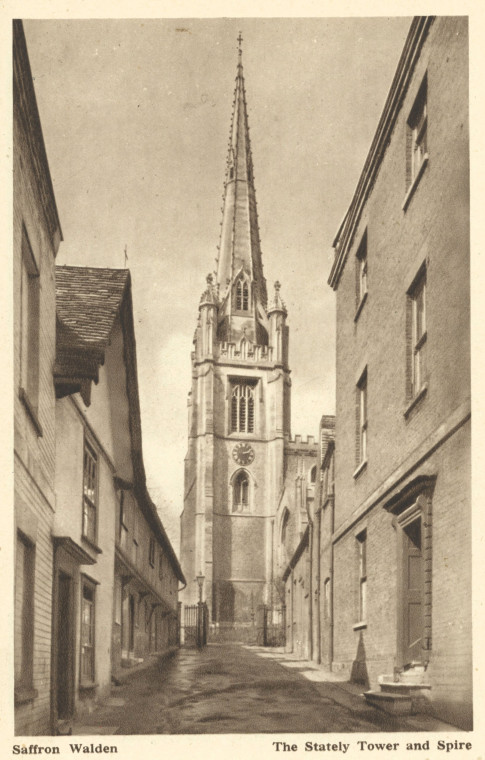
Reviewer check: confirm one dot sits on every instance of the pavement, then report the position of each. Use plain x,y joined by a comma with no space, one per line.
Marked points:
236,689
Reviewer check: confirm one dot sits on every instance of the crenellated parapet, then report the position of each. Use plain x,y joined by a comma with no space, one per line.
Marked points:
246,351
299,443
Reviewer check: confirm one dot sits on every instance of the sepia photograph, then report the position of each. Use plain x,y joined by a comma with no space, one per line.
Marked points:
242,382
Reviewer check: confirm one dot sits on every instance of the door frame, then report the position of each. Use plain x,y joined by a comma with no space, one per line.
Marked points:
413,501
410,516
59,571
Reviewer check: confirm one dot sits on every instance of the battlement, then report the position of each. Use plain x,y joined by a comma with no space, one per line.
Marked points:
297,442
245,351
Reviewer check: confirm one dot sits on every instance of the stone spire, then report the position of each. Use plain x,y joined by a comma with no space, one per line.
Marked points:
240,247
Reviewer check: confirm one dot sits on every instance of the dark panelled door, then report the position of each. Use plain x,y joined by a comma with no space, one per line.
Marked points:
412,592
65,644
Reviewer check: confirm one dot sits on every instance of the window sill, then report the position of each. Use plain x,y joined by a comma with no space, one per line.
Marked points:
360,306
31,411
359,626
22,696
415,401
415,182
360,469
91,545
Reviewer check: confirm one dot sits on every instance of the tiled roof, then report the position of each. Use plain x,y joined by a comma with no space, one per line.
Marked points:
88,299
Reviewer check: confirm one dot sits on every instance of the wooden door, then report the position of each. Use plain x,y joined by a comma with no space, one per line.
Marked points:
64,688
131,624
413,623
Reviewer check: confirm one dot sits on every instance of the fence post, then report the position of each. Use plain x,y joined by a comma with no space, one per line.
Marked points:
199,625
179,623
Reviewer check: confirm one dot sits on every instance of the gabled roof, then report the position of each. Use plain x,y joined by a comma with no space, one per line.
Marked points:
89,299
87,302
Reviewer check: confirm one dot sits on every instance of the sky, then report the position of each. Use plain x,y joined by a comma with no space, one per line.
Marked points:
135,117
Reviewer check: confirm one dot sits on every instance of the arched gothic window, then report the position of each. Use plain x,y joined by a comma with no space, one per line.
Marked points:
284,526
240,494
242,295
242,408
313,474
283,537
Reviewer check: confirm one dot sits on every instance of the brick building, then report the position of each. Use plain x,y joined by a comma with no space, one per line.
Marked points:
96,578
401,536
239,447
300,525
36,238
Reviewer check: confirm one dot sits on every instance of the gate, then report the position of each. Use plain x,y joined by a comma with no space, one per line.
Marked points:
272,627
196,624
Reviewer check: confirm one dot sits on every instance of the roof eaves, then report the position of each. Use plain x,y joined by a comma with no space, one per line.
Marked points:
412,48
25,79
140,488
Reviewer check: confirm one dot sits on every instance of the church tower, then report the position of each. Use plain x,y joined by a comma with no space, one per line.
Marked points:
239,409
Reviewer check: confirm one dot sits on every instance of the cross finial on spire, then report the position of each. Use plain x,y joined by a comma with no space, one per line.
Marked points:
240,39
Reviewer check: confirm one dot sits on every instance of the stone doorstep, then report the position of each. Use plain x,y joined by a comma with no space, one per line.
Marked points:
393,704
403,688
413,677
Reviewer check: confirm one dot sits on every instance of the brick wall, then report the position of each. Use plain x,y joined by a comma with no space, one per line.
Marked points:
375,645
434,228
404,441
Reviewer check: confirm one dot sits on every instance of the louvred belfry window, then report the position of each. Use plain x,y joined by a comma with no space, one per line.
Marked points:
242,408
242,296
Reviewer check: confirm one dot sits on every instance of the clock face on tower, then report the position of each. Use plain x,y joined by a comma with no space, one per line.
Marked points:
243,453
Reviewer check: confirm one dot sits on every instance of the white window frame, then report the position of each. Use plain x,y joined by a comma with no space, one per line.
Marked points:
24,619
361,284
416,341
90,492
29,331
419,335
416,142
87,660
362,419
362,561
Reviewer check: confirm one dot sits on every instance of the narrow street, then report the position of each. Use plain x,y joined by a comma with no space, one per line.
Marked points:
229,688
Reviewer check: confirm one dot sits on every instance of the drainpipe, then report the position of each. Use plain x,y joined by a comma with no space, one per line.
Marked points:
310,591
272,563
318,589
332,528
310,584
